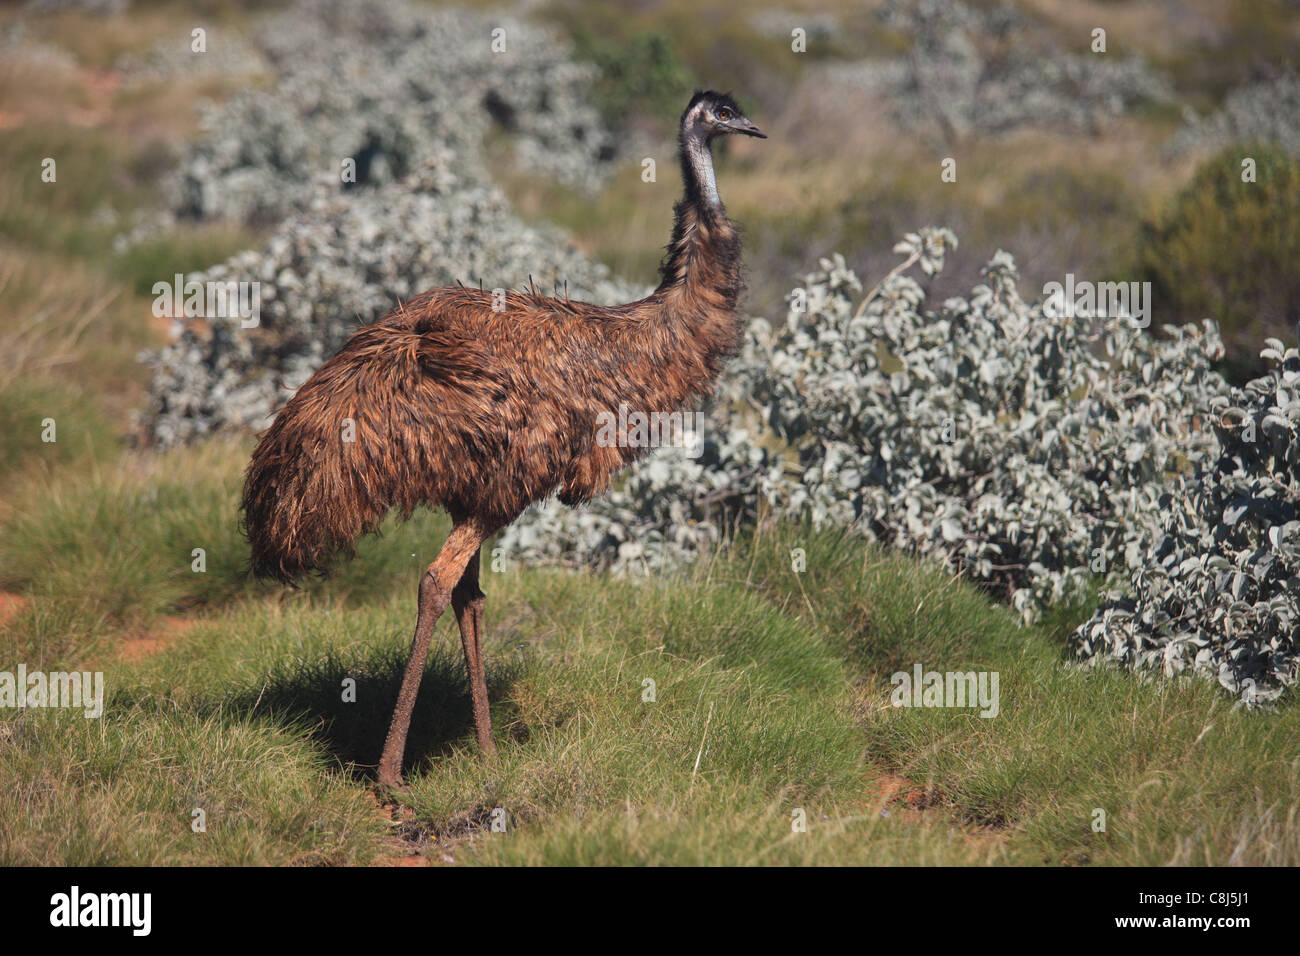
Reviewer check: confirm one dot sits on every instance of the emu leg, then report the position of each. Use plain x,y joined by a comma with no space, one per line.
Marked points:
468,600
435,594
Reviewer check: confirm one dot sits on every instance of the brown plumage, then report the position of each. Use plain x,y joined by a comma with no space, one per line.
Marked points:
483,406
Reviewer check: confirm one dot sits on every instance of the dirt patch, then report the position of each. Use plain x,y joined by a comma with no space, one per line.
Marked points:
416,842
79,96
11,605
897,796
138,647
101,86
406,837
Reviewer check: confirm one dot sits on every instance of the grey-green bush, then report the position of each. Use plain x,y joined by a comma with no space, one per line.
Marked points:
1216,579
1017,446
422,212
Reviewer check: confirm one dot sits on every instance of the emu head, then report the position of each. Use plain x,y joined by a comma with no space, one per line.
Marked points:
711,114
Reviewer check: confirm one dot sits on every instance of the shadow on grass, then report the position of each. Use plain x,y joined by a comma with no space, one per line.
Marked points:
313,693
350,720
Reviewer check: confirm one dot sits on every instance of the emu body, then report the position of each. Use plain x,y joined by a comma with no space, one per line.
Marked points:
481,405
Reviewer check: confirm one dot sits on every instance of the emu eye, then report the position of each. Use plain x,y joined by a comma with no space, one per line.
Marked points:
725,114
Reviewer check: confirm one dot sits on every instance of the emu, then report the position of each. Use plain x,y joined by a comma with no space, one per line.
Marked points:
483,407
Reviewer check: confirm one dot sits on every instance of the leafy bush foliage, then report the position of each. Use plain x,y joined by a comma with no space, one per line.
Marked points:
1018,446
1015,444
421,213
1229,248
440,88
978,69
227,54
1217,574
1266,111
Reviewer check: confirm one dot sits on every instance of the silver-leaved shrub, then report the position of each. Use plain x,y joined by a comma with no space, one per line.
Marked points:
1016,445
1039,454
1266,110
1216,580
387,85
407,94
987,68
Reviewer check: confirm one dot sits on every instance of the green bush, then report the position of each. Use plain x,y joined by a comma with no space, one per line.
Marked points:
641,76
1228,249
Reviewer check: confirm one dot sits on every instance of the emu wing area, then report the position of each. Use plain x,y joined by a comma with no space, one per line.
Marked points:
487,409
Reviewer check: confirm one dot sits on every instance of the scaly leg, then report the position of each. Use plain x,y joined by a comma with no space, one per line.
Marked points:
435,594
467,600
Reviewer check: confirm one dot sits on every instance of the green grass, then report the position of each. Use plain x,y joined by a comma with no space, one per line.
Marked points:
182,251
771,697
123,791
113,543
118,543
79,431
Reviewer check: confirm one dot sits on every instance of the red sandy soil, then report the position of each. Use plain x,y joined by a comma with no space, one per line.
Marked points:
133,647
906,801
11,605
399,852
899,796
100,87
138,647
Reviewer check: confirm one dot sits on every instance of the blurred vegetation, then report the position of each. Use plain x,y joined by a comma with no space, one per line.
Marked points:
189,249
76,214
1254,35
644,76
1229,249
648,51
80,431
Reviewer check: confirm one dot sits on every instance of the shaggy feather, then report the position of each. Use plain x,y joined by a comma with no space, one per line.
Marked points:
447,403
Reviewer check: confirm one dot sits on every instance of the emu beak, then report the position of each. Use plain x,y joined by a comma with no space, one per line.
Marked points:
748,128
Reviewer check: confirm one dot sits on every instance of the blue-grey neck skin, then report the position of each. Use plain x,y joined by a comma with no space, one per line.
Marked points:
700,159
697,161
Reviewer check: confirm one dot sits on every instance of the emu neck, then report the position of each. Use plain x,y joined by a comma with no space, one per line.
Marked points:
701,272
697,171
